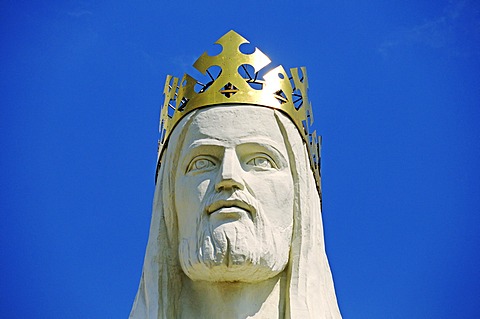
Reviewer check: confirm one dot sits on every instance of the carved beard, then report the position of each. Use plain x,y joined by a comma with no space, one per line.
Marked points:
248,249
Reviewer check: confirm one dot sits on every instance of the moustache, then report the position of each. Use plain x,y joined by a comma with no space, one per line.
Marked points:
238,199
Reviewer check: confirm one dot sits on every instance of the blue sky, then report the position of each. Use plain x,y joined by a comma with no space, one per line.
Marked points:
395,87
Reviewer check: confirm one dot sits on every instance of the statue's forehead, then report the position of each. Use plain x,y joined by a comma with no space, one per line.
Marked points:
235,122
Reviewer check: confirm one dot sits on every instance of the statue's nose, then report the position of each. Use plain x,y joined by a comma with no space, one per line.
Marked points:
230,173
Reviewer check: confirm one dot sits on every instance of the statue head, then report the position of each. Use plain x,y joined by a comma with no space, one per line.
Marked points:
233,195
237,195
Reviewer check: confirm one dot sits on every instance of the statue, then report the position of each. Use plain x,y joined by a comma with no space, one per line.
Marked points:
236,229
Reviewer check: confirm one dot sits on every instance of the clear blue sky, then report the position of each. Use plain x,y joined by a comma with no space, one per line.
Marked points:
395,87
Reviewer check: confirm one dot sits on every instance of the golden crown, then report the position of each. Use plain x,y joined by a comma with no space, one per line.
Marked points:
238,82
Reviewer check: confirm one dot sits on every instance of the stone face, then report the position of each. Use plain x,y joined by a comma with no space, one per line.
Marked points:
236,228
234,196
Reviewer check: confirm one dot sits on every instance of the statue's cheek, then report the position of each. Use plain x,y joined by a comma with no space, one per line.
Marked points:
275,193
203,187
278,185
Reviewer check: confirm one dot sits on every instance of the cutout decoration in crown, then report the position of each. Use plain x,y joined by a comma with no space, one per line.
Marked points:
237,83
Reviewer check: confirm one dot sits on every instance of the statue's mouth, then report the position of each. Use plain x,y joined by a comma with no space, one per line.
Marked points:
230,207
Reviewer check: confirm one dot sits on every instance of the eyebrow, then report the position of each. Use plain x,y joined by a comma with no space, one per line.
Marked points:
205,142
261,141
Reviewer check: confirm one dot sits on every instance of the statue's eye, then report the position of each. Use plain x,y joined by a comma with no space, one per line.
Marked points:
261,162
200,164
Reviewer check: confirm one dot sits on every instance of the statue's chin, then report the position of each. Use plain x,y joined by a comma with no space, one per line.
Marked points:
245,272
234,255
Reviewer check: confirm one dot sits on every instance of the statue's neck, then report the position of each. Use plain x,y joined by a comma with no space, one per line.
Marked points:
201,299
